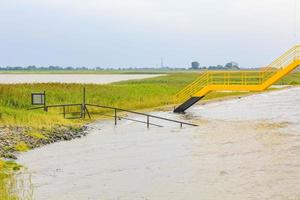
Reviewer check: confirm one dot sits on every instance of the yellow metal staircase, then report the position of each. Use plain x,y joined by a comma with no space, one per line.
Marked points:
237,80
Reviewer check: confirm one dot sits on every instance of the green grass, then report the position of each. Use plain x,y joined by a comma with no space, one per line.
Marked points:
291,79
6,176
21,147
35,134
133,94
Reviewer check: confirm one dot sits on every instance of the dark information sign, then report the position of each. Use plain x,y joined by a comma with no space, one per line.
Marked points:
38,98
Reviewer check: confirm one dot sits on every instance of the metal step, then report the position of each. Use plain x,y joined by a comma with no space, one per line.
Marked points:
188,103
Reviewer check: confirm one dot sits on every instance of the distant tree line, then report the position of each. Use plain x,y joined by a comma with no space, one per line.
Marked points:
228,66
33,67
57,68
194,66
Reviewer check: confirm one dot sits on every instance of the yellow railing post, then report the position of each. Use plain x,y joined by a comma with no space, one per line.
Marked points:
228,77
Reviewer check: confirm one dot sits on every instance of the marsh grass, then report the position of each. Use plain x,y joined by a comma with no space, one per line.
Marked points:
291,79
21,147
133,94
7,178
136,94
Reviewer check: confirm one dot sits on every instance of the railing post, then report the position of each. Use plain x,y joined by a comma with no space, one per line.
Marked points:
83,103
243,78
260,77
147,121
45,107
180,125
64,110
115,116
207,77
228,76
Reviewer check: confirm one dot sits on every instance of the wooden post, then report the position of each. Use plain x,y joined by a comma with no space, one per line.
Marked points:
180,125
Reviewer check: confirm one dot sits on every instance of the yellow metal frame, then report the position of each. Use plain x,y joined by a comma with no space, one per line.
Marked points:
242,80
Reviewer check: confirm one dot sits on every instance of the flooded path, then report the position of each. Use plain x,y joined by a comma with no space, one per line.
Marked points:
246,148
71,78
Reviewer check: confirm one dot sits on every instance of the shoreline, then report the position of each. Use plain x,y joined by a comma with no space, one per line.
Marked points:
220,99
17,139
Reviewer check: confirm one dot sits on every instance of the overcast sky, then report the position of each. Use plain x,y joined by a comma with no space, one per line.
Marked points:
138,33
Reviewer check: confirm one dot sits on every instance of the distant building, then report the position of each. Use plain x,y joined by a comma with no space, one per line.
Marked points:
232,65
195,65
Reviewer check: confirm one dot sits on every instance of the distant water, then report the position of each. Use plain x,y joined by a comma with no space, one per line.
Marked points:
70,78
246,148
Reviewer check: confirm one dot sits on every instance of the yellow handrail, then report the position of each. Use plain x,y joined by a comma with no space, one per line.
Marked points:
239,78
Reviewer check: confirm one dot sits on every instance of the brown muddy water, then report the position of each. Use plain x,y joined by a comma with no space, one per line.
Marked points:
246,148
